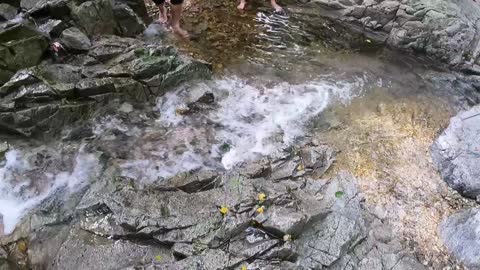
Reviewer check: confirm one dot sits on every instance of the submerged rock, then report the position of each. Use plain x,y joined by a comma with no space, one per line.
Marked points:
457,153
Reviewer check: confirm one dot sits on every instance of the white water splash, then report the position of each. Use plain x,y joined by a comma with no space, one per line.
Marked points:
19,191
257,121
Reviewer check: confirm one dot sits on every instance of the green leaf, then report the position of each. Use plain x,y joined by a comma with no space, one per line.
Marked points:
225,147
339,194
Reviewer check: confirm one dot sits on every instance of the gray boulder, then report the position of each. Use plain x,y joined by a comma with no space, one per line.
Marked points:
138,6
457,153
461,236
129,23
75,39
7,12
95,17
21,47
56,8
53,28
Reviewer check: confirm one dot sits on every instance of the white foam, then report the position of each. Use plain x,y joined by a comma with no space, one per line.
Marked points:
259,121
17,195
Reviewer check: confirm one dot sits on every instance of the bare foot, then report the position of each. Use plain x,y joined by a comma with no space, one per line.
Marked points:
180,32
162,16
276,6
242,5
162,20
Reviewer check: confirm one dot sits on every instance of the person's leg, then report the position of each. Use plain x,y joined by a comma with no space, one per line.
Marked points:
177,8
162,16
276,6
242,4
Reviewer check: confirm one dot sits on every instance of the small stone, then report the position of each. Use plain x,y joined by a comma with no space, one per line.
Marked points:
126,108
4,147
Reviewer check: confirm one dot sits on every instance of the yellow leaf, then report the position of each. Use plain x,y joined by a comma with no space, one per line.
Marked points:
262,197
22,246
158,258
260,210
224,210
300,167
244,267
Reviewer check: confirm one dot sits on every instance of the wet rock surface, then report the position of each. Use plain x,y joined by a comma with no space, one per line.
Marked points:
445,30
40,98
212,220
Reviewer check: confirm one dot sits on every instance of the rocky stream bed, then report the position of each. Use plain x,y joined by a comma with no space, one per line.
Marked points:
315,139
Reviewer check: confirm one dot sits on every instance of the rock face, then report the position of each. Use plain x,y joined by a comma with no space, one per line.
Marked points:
461,236
129,24
21,46
41,97
212,220
442,29
32,100
457,153
7,12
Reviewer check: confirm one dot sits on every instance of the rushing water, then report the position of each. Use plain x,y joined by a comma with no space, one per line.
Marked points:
29,176
282,83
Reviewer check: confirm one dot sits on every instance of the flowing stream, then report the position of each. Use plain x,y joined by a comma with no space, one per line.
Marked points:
281,86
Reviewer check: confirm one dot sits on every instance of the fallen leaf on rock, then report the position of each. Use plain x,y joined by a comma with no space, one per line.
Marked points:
224,210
